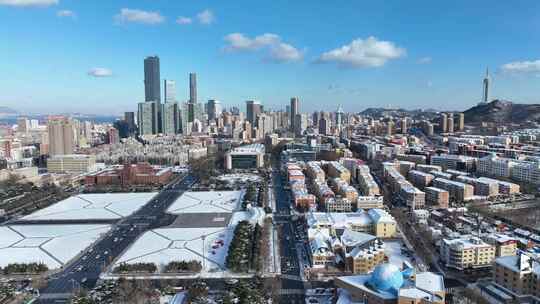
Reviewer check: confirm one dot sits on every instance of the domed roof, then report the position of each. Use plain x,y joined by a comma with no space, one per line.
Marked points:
386,277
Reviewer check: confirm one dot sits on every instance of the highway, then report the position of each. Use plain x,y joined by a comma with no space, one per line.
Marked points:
84,271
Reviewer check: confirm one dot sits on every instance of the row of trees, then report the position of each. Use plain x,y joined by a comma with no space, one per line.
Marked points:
136,267
183,266
244,250
33,268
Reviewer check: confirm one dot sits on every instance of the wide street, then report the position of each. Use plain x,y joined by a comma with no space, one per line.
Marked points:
291,278
85,270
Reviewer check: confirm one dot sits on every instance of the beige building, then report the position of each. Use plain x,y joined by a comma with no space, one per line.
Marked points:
467,252
437,197
518,273
61,136
335,169
458,192
73,163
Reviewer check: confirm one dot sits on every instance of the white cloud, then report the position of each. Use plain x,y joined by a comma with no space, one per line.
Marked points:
278,51
183,20
206,17
521,67
100,72
424,60
139,16
361,53
29,3
66,13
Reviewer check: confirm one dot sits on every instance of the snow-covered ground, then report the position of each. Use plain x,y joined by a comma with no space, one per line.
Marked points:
392,249
206,202
53,245
162,246
93,206
239,178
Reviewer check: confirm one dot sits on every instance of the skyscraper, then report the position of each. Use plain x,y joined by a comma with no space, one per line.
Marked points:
147,117
192,88
450,123
339,117
461,122
170,90
253,109
485,96
129,117
294,109
152,90
213,109
169,118
61,136
443,124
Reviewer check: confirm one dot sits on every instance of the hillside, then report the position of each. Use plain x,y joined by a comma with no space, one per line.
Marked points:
503,111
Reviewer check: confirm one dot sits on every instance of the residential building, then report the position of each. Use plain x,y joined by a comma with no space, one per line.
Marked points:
466,252
71,163
61,136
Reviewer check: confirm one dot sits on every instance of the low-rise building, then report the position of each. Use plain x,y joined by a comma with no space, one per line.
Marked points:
437,197
420,179
71,163
467,252
245,157
458,192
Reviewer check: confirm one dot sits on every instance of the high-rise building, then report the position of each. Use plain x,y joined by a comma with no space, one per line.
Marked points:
192,88
443,124
404,125
300,124
129,117
147,117
170,90
253,109
324,125
169,118
339,117
113,136
61,137
294,109
23,124
213,109
485,87
461,122
450,123
152,91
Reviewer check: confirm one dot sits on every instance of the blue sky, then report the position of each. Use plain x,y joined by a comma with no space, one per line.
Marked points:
87,56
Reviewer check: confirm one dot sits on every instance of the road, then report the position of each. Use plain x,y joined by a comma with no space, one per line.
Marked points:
85,270
291,277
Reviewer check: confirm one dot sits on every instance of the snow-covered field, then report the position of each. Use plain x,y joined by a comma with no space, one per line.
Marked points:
239,178
53,245
206,202
161,246
93,206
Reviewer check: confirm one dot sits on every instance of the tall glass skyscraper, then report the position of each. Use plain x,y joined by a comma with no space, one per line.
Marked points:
192,88
152,90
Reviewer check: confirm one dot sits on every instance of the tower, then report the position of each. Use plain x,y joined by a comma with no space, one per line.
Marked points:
253,109
485,95
294,109
152,91
170,90
192,88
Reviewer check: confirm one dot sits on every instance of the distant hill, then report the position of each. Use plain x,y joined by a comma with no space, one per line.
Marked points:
503,111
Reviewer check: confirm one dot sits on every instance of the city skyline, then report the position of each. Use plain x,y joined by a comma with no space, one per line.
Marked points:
375,55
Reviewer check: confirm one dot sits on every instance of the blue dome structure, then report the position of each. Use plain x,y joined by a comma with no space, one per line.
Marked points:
386,277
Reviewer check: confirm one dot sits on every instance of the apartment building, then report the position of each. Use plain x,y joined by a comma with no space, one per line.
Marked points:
437,197
482,187
459,192
367,184
335,169
467,252
420,179
455,162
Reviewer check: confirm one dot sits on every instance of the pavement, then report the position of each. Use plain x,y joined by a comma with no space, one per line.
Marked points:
84,271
